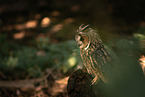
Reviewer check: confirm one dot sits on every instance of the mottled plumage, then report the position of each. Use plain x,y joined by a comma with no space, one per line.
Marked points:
96,58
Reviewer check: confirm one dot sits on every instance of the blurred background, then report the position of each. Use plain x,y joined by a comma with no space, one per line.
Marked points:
37,47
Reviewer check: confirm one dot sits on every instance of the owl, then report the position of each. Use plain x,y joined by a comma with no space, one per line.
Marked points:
96,58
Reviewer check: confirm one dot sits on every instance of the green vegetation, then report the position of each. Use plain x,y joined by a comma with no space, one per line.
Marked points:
34,60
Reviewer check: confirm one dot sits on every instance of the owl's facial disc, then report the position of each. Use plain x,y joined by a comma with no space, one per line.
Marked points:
82,41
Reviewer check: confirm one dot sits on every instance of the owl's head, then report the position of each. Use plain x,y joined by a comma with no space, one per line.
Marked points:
85,36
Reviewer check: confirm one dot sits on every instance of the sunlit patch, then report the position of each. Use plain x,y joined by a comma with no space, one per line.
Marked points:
59,86
19,26
31,24
55,13
57,28
72,61
45,22
68,20
142,62
19,35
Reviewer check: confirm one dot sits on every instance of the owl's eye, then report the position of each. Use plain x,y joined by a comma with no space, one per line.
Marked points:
83,40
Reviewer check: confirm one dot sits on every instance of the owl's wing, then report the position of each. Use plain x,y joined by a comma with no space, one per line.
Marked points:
101,62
